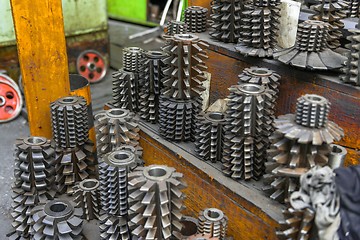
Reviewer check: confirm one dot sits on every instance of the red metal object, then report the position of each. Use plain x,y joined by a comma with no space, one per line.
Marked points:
10,99
91,65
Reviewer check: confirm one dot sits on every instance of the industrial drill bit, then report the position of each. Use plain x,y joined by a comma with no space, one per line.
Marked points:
34,178
113,172
351,68
177,118
69,118
124,90
214,222
58,219
209,136
114,128
155,199
331,11
225,20
113,227
249,120
261,76
87,197
259,26
311,50
150,91
185,67
301,141
196,19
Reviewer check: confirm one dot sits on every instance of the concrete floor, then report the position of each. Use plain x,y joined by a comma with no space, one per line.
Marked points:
101,93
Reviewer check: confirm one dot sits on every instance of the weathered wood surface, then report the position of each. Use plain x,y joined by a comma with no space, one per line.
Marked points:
251,214
40,38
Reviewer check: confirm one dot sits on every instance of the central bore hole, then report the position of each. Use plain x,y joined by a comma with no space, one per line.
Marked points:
58,207
156,53
213,214
117,112
315,98
259,71
216,116
134,49
35,140
186,36
90,184
251,88
68,100
336,149
157,172
121,156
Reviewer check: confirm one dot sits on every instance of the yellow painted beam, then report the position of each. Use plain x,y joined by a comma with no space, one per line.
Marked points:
41,45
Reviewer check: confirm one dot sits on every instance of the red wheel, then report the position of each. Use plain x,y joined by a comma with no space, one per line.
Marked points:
91,65
10,99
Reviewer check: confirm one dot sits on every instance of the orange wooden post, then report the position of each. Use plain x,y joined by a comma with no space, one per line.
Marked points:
41,46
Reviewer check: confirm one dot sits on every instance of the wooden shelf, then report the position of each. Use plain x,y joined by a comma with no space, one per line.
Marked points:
245,204
225,64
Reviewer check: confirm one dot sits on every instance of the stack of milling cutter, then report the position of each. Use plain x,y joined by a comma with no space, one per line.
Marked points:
175,27
209,135
259,28
74,151
311,50
213,222
117,128
331,11
127,80
225,20
196,19
113,174
155,202
34,178
300,142
249,118
149,92
351,68
180,99
353,8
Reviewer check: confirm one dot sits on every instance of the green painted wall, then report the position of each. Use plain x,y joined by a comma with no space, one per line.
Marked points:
80,16
129,10
7,33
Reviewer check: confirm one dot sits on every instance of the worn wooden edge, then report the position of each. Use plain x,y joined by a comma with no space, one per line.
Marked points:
237,190
328,79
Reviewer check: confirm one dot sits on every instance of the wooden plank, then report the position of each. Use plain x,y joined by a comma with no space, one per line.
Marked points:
207,187
41,47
